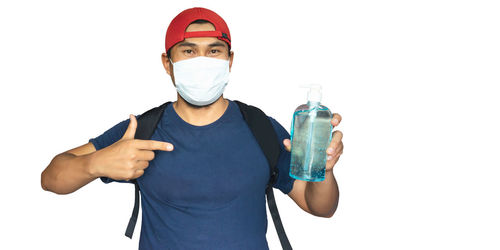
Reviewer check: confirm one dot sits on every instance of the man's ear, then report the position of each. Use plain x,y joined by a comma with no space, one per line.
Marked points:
166,63
231,60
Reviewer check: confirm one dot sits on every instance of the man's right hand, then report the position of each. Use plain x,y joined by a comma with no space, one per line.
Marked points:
128,157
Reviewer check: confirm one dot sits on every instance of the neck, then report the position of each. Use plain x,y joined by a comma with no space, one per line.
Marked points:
200,115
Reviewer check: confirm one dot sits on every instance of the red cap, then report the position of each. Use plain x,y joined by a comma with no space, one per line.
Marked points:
176,30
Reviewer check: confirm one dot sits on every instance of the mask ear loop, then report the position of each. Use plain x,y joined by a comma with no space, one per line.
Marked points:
172,72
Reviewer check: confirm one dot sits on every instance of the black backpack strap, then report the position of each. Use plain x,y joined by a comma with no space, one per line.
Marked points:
135,212
146,125
263,131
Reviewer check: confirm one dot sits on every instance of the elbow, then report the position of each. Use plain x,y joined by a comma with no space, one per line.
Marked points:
325,215
45,177
43,181
49,184
46,185
49,188
330,215
332,211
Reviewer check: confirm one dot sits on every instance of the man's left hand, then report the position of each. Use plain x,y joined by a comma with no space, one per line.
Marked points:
336,147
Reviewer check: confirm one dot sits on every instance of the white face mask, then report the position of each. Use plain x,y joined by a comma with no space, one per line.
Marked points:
201,80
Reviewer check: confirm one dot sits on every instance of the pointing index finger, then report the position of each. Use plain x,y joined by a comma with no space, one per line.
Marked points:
153,145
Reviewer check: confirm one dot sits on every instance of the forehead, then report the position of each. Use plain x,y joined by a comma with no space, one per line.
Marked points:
200,41
200,27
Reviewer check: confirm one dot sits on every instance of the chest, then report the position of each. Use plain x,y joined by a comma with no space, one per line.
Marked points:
207,168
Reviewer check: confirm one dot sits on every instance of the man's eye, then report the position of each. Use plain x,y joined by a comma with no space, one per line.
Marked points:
214,50
188,51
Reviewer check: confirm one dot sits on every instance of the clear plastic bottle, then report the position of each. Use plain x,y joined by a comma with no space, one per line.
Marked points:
311,135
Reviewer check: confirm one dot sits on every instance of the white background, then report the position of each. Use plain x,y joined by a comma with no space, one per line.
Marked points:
416,83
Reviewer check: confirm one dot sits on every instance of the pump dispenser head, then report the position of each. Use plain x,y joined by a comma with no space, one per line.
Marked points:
314,94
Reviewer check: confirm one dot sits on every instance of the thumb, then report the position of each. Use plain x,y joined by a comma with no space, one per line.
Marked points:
132,126
287,144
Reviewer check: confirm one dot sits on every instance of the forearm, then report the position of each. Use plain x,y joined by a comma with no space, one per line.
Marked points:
322,197
67,173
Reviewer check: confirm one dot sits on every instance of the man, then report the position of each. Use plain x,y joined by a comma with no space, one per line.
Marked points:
202,175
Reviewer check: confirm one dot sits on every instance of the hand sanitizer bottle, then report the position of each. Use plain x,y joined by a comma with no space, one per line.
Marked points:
311,135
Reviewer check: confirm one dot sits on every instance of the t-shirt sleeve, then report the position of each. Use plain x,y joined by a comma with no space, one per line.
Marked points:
284,181
109,137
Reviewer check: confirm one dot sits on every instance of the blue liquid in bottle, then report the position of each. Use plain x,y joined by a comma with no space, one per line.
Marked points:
311,134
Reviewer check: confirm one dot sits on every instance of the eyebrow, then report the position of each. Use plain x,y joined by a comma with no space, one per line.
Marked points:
215,44
188,44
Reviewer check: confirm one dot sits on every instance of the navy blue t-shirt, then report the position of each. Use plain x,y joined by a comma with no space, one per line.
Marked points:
209,192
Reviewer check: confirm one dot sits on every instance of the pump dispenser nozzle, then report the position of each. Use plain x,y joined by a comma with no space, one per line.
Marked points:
314,94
